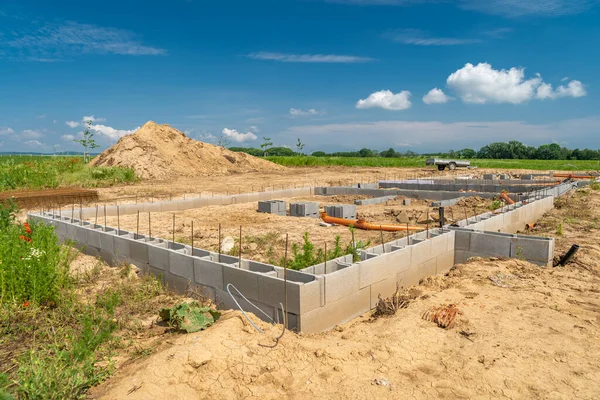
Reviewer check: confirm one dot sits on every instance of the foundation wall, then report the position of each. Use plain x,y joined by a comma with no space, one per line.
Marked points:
319,297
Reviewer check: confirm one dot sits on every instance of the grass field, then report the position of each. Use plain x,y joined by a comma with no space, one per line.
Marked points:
37,172
566,165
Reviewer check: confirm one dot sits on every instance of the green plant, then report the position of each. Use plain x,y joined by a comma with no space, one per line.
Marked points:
496,204
8,213
559,229
88,141
595,185
299,146
265,145
189,317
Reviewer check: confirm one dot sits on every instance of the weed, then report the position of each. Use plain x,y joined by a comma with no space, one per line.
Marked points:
559,229
595,185
496,204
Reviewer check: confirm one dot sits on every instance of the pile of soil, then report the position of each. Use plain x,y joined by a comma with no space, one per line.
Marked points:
162,152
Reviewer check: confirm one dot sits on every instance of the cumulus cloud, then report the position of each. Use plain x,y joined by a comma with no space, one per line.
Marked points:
573,89
254,129
297,112
308,58
72,124
5,130
387,100
68,138
435,96
482,84
238,136
33,143
111,132
92,118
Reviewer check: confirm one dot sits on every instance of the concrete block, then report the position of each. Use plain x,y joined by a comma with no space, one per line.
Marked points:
384,288
272,207
304,209
490,245
406,202
428,268
536,250
462,239
107,240
337,312
271,291
181,265
341,283
209,273
158,256
421,252
224,301
490,176
445,262
245,281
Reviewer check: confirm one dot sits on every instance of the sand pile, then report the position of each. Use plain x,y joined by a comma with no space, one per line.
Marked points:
161,152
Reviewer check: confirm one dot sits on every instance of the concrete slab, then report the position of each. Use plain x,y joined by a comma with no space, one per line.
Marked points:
208,273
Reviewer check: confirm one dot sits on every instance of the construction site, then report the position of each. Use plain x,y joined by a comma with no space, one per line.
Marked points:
388,282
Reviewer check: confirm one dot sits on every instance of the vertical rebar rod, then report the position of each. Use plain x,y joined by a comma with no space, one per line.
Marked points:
219,243
80,213
427,236
192,237
325,258
149,226
72,211
285,279
407,235
381,235
240,259
105,218
173,241
118,222
353,245
466,216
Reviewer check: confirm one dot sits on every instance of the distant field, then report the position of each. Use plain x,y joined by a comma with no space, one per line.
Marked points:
566,165
41,172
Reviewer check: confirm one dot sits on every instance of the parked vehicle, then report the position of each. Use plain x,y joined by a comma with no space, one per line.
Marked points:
451,164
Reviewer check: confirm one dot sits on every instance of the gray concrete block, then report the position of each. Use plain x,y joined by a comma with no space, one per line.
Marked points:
490,176
158,256
490,245
385,288
209,273
245,281
181,265
272,207
445,262
304,209
406,202
536,250
341,283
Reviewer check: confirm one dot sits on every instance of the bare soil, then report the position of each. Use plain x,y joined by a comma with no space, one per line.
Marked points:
522,332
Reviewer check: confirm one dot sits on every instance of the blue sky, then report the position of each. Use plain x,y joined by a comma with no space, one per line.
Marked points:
421,75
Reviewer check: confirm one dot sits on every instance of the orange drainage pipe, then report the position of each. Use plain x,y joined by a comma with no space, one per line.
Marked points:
506,199
530,225
362,224
571,176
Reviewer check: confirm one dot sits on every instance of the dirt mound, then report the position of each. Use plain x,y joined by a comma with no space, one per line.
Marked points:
161,152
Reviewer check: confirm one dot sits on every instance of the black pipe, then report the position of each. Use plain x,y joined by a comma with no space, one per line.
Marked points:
568,255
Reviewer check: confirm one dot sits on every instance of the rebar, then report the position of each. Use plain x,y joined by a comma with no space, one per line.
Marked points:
105,218
240,259
137,227
285,278
219,242
118,223
192,237
173,241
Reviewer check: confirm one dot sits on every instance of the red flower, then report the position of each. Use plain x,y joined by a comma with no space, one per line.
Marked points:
25,238
27,228
26,304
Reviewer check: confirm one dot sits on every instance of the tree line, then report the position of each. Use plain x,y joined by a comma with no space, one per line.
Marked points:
497,150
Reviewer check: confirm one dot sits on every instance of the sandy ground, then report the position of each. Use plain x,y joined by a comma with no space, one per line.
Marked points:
263,235
534,336
153,190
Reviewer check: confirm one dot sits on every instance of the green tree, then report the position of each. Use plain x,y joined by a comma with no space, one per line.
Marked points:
467,153
300,146
319,154
87,142
265,145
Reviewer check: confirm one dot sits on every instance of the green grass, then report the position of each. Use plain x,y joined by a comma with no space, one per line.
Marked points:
559,165
38,172
58,332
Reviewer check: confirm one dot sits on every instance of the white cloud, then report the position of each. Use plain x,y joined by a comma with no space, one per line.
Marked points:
85,119
52,41
40,116
254,129
482,84
308,58
68,138
237,136
5,130
72,124
387,100
32,143
111,132
297,112
573,89
435,96
30,134
420,38
520,8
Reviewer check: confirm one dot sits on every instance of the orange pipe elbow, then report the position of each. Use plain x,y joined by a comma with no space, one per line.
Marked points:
504,197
